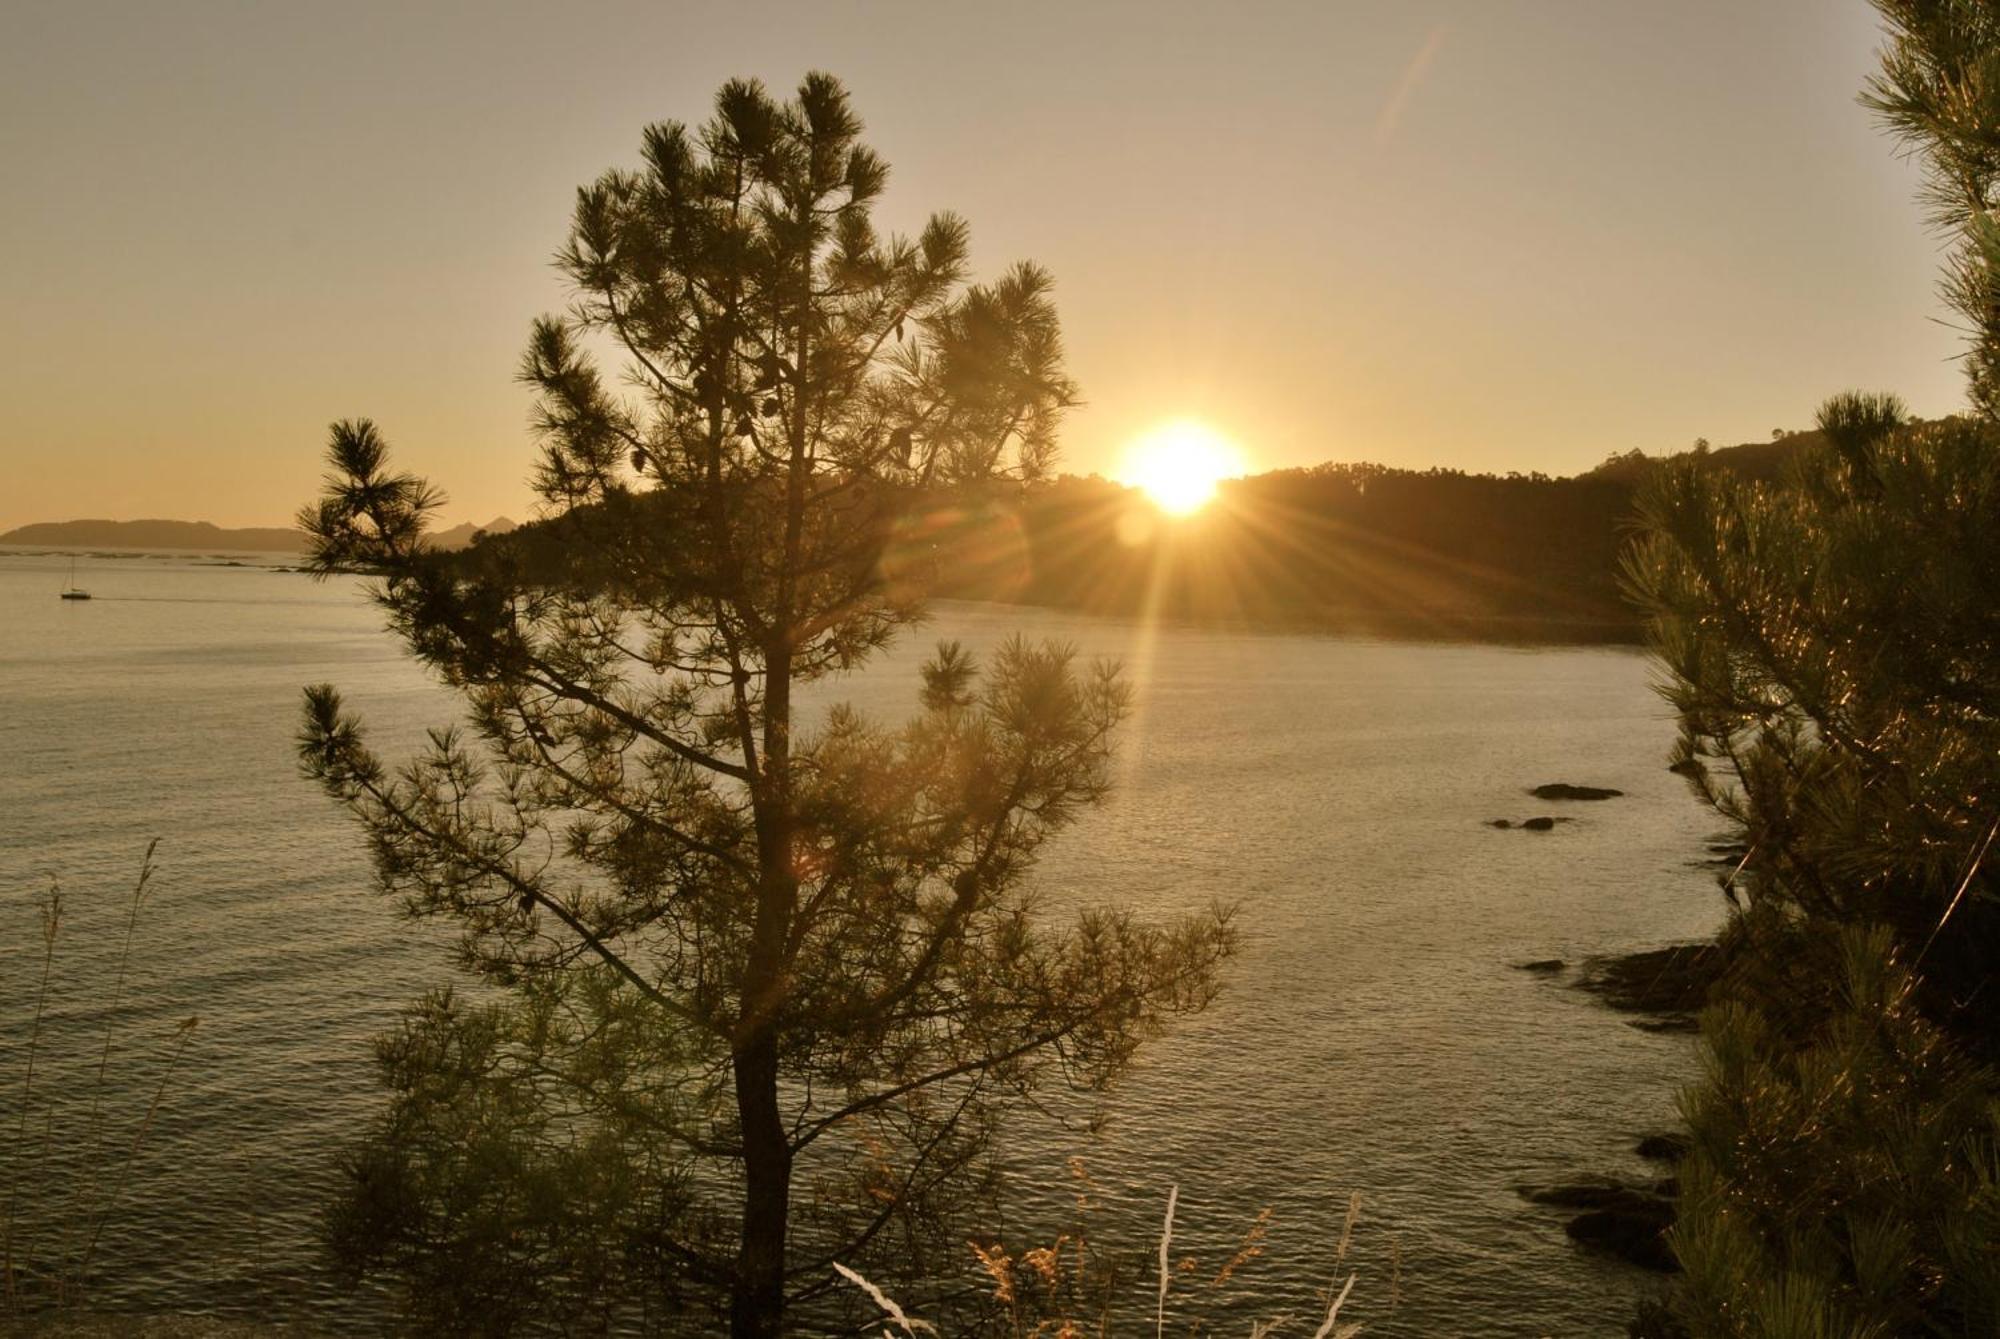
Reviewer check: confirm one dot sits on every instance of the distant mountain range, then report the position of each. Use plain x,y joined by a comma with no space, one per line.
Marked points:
202,535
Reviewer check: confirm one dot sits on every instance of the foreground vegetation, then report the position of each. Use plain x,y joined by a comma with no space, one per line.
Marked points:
1834,646
1842,1176
757,987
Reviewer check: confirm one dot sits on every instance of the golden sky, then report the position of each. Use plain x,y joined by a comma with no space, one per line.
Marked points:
1491,234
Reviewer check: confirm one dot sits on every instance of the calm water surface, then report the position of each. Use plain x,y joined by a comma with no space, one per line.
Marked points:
1374,1036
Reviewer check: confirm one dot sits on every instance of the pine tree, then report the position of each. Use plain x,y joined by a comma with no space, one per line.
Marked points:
761,984
1834,647
1939,94
1833,643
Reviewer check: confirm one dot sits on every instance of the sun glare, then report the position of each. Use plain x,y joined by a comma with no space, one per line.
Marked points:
1179,464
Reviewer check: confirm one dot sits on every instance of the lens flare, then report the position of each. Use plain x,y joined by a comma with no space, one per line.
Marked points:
1179,464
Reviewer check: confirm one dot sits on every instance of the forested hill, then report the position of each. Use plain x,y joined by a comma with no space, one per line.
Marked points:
1354,548
1358,548
1351,547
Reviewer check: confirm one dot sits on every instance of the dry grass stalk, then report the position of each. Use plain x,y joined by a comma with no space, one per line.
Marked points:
1249,1249
994,1260
90,1187
89,1205
1326,1329
1347,1230
909,1324
1037,1279
182,1033
51,911
1046,1261
1088,1196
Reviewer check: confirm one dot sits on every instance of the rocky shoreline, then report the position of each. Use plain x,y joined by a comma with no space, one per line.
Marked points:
1664,989
1619,1218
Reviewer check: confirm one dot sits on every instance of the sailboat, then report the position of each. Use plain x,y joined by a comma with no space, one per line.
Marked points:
74,591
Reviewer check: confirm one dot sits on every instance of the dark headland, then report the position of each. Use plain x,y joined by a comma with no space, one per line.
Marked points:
155,534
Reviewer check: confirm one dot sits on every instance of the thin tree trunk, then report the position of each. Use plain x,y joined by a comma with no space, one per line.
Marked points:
757,1302
757,1298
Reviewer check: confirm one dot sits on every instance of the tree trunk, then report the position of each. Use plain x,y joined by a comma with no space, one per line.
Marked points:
757,1301
757,1298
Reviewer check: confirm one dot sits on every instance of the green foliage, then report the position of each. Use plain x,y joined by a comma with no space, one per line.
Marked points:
1831,646
760,984
1835,652
1841,1180
1939,93
525,1162
1833,649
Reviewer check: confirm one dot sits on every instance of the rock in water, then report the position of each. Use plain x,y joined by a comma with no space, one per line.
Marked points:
1563,790
1662,1147
1629,1222
1669,983
1637,1237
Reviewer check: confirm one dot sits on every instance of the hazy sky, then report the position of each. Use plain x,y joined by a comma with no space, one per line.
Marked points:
1497,234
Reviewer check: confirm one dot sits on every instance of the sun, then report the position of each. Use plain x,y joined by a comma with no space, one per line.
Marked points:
1179,464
